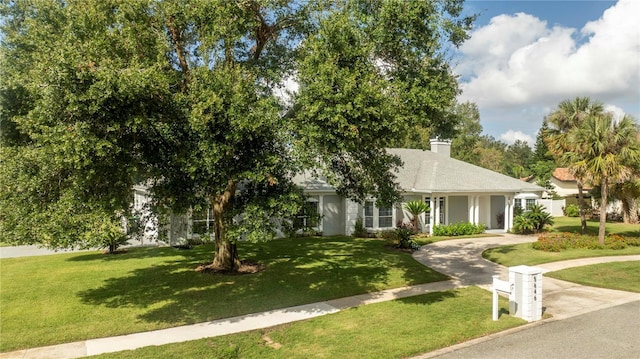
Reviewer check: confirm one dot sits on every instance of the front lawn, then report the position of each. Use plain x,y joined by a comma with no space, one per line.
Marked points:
524,254
615,275
572,224
394,329
73,296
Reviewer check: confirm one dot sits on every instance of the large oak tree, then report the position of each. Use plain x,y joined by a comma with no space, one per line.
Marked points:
183,96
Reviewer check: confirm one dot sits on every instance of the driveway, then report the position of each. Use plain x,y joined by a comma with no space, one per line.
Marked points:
596,322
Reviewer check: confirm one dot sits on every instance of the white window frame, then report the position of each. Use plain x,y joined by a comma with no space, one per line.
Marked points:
305,218
371,219
528,203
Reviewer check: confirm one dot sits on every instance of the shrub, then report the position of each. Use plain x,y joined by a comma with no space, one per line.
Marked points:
571,210
359,231
458,229
416,208
403,235
532,221
556,242
523,224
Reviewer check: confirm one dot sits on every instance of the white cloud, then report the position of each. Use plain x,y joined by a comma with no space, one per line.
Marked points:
517,59
617,112
512,136
519,64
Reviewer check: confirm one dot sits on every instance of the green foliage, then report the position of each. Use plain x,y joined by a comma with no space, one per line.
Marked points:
556,242
458,229
416,208
402,236
571,210
358,230
185,97
532,220
606,151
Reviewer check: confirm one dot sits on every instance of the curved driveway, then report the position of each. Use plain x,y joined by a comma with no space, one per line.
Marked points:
599,322
462,260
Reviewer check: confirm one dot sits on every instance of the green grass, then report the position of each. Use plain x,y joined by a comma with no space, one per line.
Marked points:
395,329
572,224
615,275
524,254
428,240
68,297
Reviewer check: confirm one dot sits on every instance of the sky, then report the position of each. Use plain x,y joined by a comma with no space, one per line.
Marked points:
524,57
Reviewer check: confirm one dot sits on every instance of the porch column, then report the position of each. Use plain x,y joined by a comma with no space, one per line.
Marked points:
476,215
446,209
509,224
470,209
507,207
432,212
321,212
437,212
474,210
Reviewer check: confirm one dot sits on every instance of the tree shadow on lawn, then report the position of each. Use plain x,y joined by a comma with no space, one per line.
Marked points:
298,272
135,253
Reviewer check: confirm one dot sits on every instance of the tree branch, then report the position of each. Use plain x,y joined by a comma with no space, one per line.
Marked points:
176,37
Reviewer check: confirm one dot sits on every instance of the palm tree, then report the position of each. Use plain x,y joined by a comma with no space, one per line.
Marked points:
416,208
629,194
569,115
605,152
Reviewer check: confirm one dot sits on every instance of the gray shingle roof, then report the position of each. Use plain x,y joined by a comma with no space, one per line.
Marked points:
426,171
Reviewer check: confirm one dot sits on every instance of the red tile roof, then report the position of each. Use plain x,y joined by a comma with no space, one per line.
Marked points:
563,174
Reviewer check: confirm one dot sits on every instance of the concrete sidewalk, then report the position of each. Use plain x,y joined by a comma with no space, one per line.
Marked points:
460,259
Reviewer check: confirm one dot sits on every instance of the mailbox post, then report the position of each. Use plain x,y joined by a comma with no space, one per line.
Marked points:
499,286
525,300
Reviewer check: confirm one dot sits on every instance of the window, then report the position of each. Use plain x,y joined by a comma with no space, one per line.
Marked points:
517,202
308,217
202,220
385,219
427,214
530,203
368,214
377,217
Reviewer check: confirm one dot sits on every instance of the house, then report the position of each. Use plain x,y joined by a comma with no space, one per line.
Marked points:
563,191
456,191
563,182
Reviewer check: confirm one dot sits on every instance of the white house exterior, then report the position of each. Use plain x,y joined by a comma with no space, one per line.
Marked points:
456,191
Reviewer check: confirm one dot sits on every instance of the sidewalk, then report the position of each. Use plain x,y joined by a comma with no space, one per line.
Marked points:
460,259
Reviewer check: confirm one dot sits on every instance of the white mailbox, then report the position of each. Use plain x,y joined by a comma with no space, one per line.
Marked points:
499,286
525,300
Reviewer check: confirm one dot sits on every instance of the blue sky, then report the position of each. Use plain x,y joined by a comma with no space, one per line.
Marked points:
524,57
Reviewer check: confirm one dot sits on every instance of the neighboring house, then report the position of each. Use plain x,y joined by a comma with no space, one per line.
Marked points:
456,191
565,186
564,183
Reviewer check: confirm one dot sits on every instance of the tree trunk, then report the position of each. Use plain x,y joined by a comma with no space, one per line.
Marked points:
603,210
226,256
583,218
630,210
